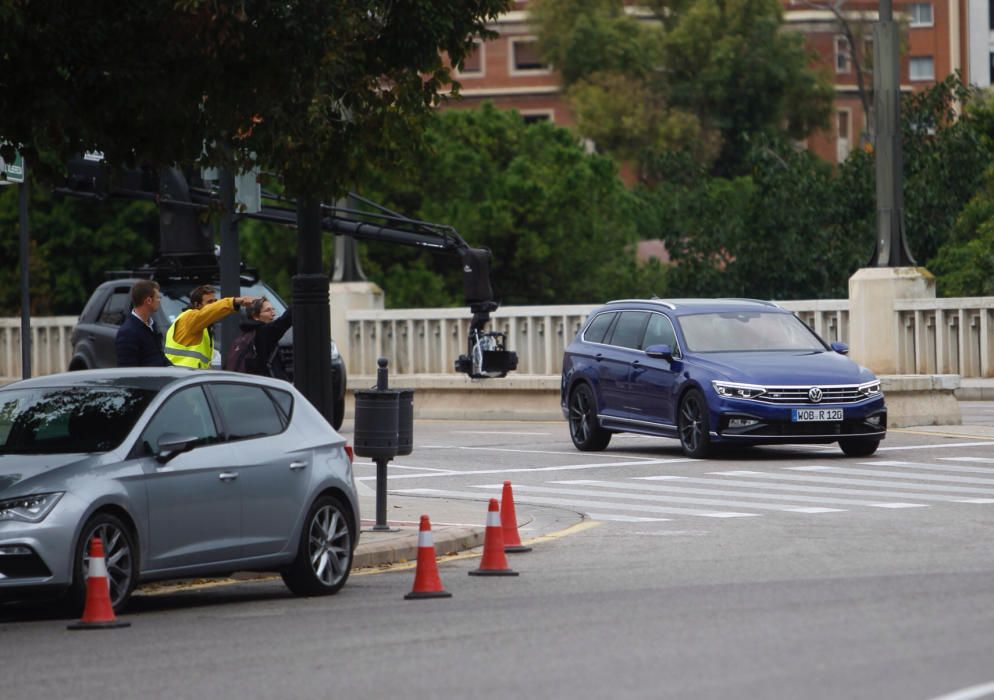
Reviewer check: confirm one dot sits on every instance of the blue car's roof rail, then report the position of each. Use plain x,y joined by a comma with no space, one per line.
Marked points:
764,302
661,302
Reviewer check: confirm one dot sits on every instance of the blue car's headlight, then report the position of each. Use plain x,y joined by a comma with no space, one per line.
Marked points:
29,509
870,388
731,390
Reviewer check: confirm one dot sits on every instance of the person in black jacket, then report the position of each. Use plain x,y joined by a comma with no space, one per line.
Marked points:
138,343
255,351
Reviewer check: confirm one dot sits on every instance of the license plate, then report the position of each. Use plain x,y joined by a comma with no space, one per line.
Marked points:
805,415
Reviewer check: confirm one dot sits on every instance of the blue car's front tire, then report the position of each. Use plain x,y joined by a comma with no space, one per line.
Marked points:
694,426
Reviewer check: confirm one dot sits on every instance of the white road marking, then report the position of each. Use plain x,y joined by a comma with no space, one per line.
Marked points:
859,482
658,498
904,475
626,518
403,466
934,447
743,494
814,489
529,470
934,467
971,693
568,453
493,432
577,504
982,460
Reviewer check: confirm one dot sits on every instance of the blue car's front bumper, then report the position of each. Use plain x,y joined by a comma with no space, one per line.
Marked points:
743,421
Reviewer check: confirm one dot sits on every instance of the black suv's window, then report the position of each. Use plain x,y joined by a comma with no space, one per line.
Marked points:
187,414
116,307
176,297
598,327
247,411
628,330
659,331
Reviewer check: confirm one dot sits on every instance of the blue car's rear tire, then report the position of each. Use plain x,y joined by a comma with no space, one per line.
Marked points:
584,430
694,426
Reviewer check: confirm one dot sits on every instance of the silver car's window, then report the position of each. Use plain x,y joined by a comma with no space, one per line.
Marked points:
628,330
598,328
187,414
284,400
54,420
659,331
747,331
247,411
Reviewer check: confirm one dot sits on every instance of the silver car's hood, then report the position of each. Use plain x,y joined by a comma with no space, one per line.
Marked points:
15,469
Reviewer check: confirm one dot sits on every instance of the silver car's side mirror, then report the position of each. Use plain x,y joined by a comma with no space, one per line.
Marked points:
173,444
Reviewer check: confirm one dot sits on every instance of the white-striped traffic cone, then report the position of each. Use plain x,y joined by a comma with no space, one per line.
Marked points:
493,563
427,584
98,612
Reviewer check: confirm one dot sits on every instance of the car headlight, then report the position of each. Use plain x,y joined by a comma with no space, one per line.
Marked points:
29,509
334,351
731,390
870,388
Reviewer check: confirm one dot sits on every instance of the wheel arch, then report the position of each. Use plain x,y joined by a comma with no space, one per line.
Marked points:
122,514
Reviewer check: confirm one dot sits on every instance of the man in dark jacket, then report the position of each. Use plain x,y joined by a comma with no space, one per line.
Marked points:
137,342
256,350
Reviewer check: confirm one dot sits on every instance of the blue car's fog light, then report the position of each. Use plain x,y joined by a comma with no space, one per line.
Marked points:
741,422
874,420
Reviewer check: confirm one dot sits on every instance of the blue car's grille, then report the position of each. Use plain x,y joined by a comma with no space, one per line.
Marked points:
800,394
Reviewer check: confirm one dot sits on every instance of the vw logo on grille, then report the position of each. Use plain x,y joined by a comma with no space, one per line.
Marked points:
815,394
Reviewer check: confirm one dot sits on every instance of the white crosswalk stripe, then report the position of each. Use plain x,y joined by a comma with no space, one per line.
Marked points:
981,460
882,472
820,479
934,467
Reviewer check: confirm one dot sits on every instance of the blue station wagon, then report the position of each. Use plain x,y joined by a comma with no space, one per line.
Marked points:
713,372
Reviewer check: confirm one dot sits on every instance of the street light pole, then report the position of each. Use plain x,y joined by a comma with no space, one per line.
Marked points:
891,249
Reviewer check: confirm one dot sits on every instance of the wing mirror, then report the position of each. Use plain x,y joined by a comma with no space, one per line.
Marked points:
663,351
172,444
840,348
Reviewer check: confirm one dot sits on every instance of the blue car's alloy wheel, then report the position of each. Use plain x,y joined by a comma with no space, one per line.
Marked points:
587,435
693,425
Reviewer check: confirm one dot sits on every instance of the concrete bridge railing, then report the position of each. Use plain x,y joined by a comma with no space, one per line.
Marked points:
935,336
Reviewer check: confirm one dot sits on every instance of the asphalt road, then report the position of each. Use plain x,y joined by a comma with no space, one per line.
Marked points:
770,573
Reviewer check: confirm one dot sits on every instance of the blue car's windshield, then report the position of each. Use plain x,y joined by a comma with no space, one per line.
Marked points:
68,419
747,331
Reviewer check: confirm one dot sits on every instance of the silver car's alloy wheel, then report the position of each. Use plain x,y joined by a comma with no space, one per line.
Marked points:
330,545
118,557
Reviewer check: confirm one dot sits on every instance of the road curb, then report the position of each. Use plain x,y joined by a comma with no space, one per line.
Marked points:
405,548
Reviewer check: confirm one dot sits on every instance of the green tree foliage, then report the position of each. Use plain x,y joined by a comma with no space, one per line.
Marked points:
73,243
316,89
701,77
558,220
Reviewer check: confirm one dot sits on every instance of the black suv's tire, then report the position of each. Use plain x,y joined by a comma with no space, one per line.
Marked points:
858,447
324,554
120,554
339,413
584,430
694,426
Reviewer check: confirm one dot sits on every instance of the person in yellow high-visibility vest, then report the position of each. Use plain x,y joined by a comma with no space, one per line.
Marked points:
189,342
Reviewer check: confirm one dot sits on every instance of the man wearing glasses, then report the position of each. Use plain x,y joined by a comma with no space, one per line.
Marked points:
137,342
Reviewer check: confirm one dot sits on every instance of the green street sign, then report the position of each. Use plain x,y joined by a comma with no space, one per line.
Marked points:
11,173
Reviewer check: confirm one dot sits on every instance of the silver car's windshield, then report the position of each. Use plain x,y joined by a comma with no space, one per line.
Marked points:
54,420
747,331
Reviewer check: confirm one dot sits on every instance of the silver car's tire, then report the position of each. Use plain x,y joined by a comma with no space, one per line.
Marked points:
324,554
120,555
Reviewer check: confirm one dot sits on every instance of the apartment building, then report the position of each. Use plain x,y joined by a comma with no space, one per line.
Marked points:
942,36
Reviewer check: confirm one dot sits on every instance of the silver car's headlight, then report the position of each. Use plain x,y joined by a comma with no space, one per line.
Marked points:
29,509
731,390
870,388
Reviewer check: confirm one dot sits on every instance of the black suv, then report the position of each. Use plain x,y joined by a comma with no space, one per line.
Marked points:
93,336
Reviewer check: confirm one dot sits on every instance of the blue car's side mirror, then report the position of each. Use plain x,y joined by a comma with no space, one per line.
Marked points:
660,352
840,348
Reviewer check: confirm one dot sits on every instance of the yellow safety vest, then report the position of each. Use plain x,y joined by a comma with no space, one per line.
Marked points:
195,356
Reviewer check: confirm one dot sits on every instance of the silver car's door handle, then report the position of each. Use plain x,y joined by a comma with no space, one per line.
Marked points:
227,476
297,466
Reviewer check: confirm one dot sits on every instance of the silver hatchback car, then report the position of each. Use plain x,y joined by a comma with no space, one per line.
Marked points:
181,473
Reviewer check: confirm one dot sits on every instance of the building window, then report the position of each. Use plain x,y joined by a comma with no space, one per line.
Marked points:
992,69
843,127
920,14
842,63
472,64
990,14
526,57
536,117
921,68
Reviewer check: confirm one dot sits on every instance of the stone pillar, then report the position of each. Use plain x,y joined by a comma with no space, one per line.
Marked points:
872,320
347,296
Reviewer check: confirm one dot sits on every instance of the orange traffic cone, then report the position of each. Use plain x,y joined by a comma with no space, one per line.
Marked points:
98,612
509,522
494,563
427,584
